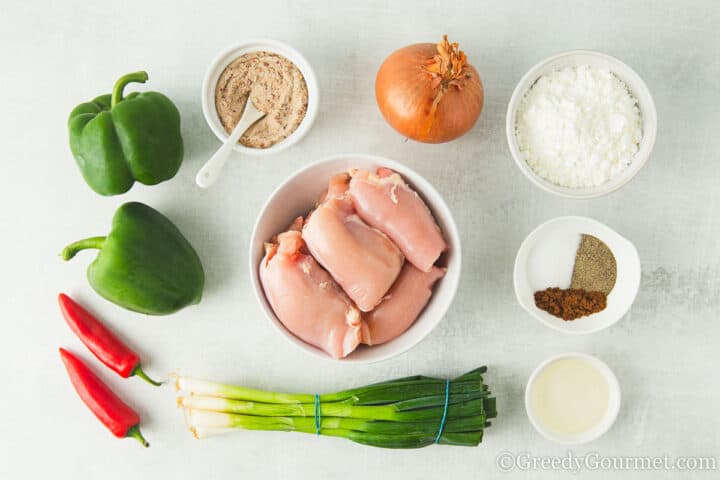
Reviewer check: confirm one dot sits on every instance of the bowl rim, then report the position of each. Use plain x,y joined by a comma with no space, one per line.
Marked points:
613,410
649,135
452,234
230,53
540,318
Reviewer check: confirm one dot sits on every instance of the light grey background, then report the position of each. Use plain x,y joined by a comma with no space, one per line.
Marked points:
57,54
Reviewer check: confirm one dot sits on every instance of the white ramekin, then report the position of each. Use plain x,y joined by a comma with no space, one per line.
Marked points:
297,196
226,57
637,88
553,232
610,415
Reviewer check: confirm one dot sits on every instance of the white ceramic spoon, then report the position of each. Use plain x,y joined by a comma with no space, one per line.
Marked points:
210,172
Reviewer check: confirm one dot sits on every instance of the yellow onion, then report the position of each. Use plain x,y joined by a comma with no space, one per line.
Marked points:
428,92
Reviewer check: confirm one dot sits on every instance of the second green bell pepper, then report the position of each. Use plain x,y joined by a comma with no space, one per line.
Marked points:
144,264
116,140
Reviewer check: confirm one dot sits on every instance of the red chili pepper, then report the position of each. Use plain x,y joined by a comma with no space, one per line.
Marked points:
119,418
109,349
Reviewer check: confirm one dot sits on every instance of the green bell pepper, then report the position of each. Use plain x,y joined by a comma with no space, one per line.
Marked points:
145,264
116,140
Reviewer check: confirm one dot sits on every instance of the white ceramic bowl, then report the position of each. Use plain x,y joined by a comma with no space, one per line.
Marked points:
546,257
610,415
226,57
298,194
637,88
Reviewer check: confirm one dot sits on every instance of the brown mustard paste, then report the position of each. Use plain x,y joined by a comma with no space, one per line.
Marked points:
276,87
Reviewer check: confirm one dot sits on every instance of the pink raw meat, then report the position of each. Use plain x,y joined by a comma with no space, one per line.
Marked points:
363,260
387,203
401,306
305,298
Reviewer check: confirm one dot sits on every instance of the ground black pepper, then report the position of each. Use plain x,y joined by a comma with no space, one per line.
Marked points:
595,267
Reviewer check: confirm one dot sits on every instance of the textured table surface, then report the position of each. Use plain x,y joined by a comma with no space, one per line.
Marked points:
664,352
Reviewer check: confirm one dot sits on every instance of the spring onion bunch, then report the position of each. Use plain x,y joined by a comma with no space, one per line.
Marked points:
402,413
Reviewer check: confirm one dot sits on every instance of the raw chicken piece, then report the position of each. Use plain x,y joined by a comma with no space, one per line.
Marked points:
305,298
363,260
387,203
401,306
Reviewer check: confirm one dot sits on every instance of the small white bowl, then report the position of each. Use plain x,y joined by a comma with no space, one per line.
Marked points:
225,58
637,88
546,257
297,196
610,415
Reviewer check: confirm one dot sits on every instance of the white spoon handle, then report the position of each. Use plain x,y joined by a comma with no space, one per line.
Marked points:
210,172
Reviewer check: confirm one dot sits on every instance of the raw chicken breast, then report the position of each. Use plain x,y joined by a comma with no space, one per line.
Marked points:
387,203
401,306
305,298
363,260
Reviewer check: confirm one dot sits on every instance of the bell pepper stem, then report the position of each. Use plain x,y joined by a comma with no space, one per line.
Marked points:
92,242
117,93
138,371
134,432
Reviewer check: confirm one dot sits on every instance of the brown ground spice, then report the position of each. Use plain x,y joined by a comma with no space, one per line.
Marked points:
570,303
276,87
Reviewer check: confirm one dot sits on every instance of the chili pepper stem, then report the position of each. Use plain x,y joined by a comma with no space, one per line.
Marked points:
134,432
72,249
138,371
117,93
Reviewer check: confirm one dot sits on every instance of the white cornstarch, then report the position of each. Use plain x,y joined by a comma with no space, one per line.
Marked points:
578,126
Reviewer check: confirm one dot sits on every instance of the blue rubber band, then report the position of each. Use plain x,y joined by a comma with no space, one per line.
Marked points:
445,409
318,416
